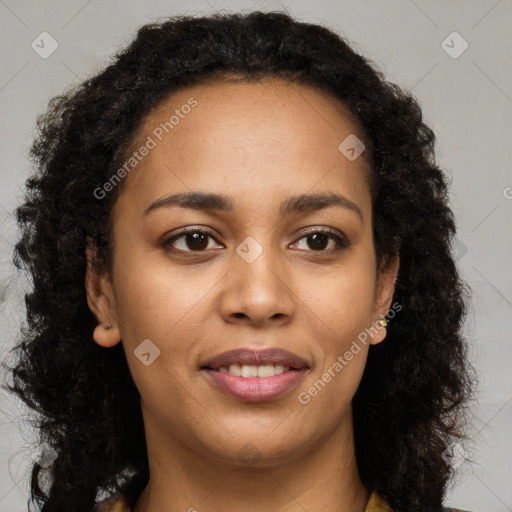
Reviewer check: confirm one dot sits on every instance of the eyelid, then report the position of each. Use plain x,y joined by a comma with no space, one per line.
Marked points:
340,238
166,241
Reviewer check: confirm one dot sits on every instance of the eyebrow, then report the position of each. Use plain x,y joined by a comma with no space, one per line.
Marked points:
303,203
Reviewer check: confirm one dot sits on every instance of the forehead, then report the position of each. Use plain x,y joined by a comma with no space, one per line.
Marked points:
244,110
250,139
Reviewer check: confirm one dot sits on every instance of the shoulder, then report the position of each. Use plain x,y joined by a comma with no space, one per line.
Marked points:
116,503
378,503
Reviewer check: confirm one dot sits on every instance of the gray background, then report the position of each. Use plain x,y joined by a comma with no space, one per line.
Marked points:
467,100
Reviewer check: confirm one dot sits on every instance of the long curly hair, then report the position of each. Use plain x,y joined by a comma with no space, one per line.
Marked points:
412,401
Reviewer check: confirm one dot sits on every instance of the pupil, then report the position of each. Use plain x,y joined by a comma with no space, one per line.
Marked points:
194,241
316,237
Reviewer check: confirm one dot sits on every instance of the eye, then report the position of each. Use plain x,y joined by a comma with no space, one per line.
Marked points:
318,239
195,239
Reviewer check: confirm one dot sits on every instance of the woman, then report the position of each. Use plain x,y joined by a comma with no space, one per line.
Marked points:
244,291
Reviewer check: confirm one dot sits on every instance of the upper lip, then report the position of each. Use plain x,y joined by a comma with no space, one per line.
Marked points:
245,356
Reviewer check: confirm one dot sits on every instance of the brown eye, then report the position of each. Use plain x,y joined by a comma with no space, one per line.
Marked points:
189,240
318,240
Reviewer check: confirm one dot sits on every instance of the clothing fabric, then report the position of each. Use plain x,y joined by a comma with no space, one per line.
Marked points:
376,503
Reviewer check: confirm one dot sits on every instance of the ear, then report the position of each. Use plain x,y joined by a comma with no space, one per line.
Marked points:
384,291
100,299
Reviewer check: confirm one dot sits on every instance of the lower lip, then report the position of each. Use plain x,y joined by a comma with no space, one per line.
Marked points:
256,389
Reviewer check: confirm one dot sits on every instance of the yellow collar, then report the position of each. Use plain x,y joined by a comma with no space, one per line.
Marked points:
377,503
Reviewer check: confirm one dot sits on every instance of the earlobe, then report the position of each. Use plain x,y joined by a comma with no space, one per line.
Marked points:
106,336
378,332
383,297
100,300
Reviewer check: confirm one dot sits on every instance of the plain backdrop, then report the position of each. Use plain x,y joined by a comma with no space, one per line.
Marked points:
466,97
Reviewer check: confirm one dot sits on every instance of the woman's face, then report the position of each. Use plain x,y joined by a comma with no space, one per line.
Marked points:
254,276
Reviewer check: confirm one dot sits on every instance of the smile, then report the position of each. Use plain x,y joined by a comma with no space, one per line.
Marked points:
269,383
268,370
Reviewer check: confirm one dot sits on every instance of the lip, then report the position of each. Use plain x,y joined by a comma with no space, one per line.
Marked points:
257,358
255,389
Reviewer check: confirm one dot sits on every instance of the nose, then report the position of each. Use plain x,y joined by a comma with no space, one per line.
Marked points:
259,293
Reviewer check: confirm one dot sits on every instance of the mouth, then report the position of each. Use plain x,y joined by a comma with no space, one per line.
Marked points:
275,357
255,376
246,371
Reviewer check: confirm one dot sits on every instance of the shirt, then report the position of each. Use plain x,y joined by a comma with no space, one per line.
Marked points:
376,503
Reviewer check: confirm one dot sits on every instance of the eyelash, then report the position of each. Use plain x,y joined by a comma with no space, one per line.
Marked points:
342,242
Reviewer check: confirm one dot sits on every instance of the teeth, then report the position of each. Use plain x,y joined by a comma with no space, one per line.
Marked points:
249,371
279,368
268,370
235,369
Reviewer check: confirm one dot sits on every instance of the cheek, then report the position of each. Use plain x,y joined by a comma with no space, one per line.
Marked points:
342,298
152,300
154,317
344,307
341,307
345,341
167,305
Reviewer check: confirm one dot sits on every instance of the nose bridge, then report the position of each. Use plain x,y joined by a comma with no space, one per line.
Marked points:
258,287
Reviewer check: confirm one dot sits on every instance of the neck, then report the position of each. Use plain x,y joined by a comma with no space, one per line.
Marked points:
323,477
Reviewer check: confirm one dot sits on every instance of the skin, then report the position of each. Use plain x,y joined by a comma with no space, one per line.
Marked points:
258,143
